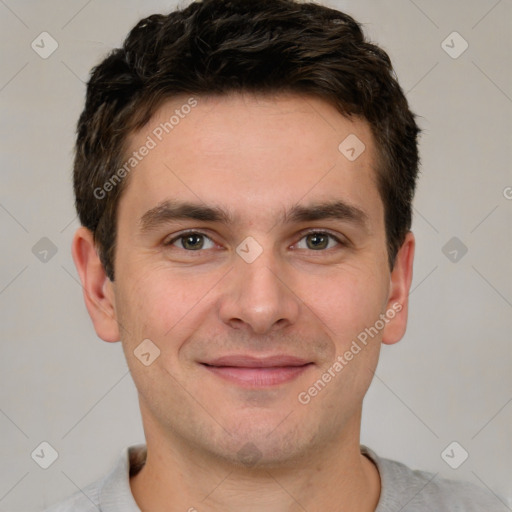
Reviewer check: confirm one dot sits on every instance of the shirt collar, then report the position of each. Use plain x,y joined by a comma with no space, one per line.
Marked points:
116,494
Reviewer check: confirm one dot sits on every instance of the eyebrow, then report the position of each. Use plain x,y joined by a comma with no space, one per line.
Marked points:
171,210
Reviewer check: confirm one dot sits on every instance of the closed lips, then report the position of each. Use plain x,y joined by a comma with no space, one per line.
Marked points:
242,361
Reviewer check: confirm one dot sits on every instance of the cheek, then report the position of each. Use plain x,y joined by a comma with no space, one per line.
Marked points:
347,302
162,304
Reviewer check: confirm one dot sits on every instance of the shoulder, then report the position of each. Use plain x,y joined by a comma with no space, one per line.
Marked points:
111,492
411,490
86,500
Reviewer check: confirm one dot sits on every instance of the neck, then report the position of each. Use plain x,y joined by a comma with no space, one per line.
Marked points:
177,477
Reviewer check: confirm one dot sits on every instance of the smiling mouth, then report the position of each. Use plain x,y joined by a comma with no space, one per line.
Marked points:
258,373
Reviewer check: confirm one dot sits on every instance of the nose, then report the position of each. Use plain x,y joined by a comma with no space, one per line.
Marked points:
259,296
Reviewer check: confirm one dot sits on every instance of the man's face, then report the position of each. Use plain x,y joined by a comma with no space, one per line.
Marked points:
249,313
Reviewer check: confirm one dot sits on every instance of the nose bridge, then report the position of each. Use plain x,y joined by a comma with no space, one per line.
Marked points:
258,295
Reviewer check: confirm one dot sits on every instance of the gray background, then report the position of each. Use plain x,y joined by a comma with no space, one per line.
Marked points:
448,380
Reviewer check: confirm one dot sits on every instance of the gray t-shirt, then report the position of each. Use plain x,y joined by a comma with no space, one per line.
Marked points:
402,490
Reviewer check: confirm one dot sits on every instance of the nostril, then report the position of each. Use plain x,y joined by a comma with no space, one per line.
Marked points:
236,323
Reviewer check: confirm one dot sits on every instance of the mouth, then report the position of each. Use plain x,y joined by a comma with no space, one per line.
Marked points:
253,372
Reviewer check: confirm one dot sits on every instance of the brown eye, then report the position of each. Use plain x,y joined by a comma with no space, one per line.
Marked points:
319,240
191,241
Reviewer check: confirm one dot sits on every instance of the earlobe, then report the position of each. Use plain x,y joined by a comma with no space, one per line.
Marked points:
400,284
96,286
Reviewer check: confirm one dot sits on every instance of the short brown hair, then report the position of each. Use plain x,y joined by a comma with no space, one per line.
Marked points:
221,46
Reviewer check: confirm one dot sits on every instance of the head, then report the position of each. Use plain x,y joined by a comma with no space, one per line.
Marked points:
254,121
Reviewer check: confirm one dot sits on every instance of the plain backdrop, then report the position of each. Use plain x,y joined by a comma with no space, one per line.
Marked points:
449,379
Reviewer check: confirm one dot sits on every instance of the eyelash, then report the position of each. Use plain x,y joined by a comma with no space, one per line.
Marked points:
303,235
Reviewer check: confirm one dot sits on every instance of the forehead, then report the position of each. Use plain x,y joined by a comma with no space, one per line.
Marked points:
252,154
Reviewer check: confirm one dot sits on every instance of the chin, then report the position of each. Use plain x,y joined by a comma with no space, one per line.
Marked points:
265,444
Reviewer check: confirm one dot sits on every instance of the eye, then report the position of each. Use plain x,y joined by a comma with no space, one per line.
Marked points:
319,240
196,241
191,241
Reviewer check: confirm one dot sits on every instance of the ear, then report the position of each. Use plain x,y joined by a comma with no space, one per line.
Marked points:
97,288
400,284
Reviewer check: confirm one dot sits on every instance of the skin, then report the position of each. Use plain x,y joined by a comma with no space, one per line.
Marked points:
255,156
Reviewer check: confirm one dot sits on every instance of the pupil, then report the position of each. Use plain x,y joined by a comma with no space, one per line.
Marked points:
318,241
189,241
